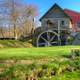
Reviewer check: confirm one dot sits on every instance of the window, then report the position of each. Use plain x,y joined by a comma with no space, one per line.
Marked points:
64,23
50,23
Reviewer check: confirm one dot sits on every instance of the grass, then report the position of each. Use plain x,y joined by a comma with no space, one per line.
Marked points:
36,54
14,44
67,76
40,72
26,53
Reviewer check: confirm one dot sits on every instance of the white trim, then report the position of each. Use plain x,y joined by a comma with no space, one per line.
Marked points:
59,32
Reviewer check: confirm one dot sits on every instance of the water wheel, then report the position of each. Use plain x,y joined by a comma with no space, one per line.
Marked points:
47,38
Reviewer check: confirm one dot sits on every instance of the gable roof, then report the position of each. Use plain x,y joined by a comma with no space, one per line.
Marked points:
55,5
75,16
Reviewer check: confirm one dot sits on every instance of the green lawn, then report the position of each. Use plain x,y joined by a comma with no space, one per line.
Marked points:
15,44
62,66
25,53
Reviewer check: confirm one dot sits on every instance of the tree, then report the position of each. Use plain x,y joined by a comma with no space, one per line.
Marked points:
28,15
18,16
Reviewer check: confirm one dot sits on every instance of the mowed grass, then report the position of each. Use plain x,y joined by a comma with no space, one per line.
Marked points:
57,63
32,53
15,44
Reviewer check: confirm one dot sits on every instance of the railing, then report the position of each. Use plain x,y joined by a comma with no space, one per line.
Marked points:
55,28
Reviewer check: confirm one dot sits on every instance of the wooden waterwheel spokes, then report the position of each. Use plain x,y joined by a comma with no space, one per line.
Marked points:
47,38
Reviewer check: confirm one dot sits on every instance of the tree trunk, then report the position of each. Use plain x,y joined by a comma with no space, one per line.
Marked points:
2,33
15,33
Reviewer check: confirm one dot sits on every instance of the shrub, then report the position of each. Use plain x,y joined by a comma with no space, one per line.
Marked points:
75,53
70,40
75,63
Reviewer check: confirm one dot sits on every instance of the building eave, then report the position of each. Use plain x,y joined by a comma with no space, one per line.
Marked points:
51,9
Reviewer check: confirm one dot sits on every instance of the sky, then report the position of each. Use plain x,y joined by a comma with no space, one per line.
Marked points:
44,5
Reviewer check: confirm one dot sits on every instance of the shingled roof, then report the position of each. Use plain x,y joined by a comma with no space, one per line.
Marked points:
73,15
55,5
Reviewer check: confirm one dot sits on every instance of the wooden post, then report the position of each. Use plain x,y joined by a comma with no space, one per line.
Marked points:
59,32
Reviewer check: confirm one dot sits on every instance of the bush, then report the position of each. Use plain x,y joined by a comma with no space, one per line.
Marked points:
75,53
70,40
45,71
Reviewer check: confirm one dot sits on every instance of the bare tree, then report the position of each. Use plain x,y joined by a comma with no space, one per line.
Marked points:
18,16
30,12
1,32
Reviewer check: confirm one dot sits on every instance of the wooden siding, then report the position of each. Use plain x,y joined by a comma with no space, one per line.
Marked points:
55,24
55,13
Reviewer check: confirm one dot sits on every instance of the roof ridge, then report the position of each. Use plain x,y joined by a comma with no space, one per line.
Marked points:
52,8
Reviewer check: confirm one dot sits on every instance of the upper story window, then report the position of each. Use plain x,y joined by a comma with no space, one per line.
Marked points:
64,23
50,23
